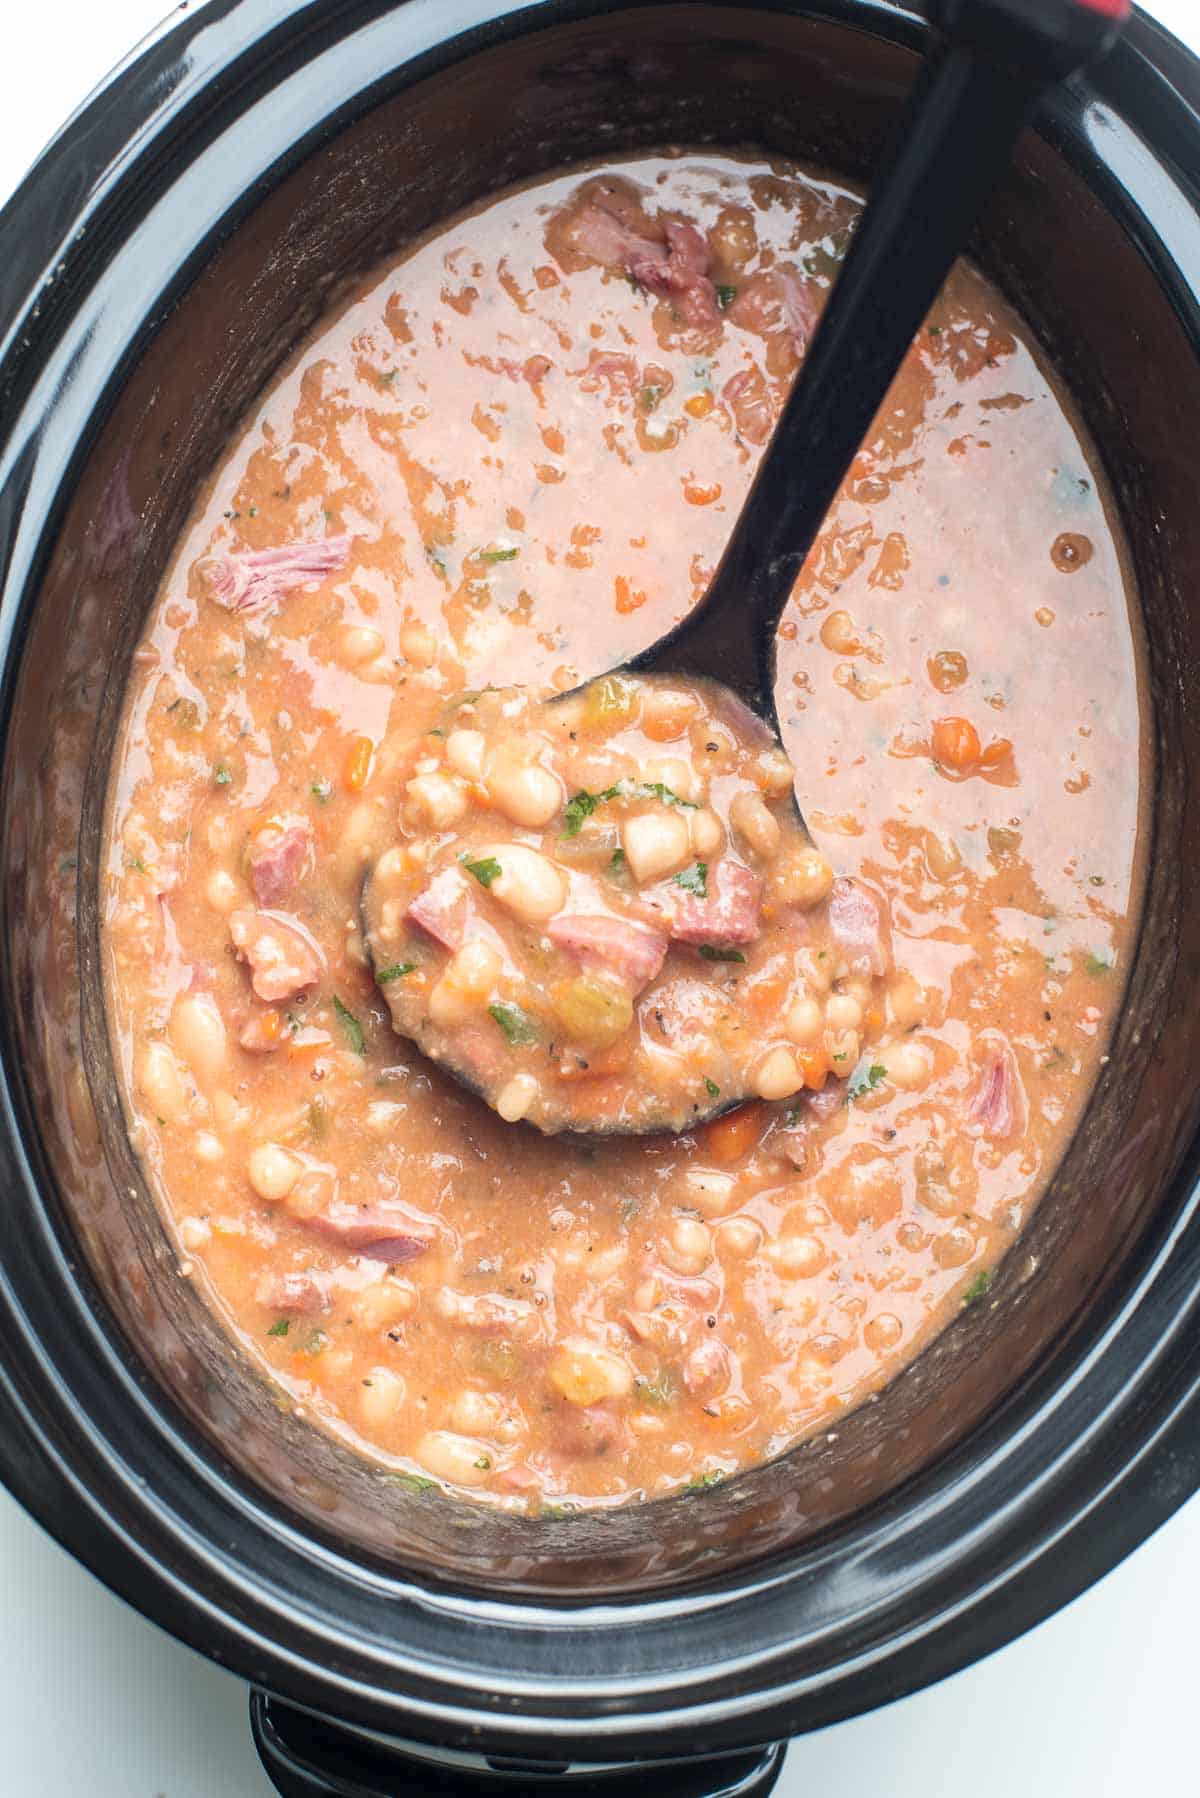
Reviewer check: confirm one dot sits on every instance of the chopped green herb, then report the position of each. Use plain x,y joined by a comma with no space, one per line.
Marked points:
648,398
499,555
865,1078
978,1286
396,972
841,1054
516,1024
279,1328
711,1088
725,296
414,1482
68,864
659,1391
693,880
318,1113
321,790
392,374
1100,962
935,330
712,952
583,804
701,1482
351,1028
483,1462
221,775
485,872
316,1342
138,865
437,732
617,861
565,1510
659,791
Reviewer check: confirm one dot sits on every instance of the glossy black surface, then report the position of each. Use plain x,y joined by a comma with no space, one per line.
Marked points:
169,250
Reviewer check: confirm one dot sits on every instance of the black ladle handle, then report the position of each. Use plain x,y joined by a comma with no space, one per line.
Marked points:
976,90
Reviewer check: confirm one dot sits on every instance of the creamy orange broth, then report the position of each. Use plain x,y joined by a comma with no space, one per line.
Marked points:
552,1322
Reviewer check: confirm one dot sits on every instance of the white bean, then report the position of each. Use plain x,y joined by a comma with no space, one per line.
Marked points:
523,790
463,1460
272,1171
440,798
198,1033
909,1065
672,771
798,1256
688,1248
804,879
777,772
358,643
163,1084
417,645
778,1075
475,1413
387,1302
655,843
531,886
709,1190
803,1022
515,1097
739,1235
221,891
584,1373
706,834
380,1397
843,1012
208,1147
464,752
755,824
907,1002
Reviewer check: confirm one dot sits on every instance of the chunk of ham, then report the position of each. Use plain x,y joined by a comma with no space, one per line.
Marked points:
856,923
302,1294
998,1104
667,256
276,857
251,579
445,909
751,404
678,274
731,913
385,1231
632,953
282,956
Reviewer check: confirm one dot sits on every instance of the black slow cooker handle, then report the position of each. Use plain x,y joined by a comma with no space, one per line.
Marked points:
306,1756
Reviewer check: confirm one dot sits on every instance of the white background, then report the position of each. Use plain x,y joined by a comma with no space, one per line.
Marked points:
1100,1702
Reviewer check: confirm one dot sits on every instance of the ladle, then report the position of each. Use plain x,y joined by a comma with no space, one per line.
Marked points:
989,62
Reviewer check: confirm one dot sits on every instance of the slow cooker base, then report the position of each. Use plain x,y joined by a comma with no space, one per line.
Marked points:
306,1756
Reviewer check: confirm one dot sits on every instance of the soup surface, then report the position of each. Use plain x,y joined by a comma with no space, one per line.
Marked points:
512,458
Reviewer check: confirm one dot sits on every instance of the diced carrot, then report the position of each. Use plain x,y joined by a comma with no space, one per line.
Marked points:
270,1026
629,597
997,751
814,1066
765,997
306,1042
613,1060
699,405
357,765
873,1022
730,1137
955,742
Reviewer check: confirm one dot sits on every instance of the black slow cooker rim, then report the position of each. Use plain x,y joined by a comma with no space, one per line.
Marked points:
1065,1480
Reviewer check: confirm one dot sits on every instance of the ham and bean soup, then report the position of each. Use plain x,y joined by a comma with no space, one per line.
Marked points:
357,806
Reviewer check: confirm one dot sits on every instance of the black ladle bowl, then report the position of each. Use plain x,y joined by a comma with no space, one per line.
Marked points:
976,91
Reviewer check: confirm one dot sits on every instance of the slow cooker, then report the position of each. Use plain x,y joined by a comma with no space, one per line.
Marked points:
168,251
